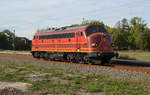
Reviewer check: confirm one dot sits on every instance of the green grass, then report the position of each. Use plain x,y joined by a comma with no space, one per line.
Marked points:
94,87
139,55
59,81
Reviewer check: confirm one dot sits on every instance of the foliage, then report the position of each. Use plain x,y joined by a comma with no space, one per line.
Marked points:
121,35
94,87
3,41
19,44
87,22
133,35
8,41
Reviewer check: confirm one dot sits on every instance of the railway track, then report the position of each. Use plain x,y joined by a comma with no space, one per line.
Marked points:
118,64
131,63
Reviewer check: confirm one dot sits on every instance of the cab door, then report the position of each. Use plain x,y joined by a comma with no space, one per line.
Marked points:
35,42
80,40
36,39
77,41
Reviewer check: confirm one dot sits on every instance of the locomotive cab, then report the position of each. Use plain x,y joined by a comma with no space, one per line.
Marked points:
99,39
99,43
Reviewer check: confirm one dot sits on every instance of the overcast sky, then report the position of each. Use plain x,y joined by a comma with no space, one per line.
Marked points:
26,16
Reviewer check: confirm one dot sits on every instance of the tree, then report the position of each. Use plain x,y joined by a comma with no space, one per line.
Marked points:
145,39
7,38
121,36
19,44
3,41
138,26
10,38
87,22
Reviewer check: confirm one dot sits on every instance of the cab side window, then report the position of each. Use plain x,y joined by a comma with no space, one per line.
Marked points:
91,30
79,33
102,29
82,34
52,41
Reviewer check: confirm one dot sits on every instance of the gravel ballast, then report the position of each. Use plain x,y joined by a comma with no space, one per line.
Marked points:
84,69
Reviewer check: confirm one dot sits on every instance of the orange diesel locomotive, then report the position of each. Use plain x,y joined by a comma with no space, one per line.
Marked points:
82,44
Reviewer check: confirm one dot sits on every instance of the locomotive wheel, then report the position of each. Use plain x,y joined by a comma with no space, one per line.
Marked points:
87,60
105,62
90,62
69,58
79,58
40,54
46,56
51,57
36,55
65,57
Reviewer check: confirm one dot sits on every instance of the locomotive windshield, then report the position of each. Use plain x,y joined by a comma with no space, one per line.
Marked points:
90,30
94,29
102,29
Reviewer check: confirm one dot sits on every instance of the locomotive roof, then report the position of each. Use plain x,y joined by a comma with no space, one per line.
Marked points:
58,30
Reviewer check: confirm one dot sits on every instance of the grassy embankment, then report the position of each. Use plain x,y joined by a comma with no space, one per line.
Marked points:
138,55
57,81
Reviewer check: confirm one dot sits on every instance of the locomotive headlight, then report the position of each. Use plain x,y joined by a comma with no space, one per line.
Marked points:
94,44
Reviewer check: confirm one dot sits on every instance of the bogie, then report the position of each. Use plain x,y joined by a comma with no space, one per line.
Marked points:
70,57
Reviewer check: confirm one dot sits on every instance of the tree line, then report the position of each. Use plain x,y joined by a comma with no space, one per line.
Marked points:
8,41
132,34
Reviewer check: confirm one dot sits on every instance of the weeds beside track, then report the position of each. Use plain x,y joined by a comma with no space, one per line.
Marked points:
47,79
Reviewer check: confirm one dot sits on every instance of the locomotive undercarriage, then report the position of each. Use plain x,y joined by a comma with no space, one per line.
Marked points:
89,58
